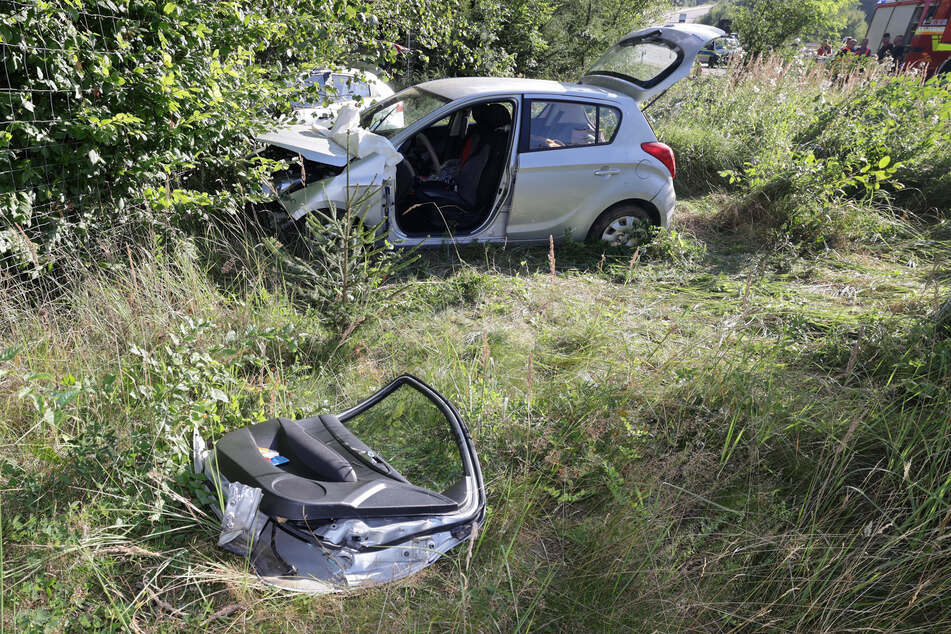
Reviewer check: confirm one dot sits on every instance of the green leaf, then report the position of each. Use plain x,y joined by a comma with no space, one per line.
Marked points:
169,7
66,396
882,164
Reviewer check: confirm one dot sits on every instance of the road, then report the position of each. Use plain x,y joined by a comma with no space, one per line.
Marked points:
693,13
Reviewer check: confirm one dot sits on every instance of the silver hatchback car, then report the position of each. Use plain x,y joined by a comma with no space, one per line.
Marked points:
505,160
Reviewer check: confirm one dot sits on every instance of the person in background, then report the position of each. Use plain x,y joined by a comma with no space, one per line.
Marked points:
862,49
885,49
824,49
898,52
849,46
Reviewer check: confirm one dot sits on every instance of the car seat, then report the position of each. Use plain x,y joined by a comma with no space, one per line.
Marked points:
480,168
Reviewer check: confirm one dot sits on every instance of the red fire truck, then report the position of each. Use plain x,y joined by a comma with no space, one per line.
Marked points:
924,24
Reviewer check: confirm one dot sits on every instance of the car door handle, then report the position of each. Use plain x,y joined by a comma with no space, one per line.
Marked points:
606,171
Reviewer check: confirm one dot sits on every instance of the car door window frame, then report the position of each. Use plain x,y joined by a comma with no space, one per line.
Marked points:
525,131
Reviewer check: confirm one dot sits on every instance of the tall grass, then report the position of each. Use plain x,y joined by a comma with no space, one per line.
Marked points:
664,449
824,154
698,436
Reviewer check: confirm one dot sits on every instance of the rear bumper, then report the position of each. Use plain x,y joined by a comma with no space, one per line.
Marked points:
665,201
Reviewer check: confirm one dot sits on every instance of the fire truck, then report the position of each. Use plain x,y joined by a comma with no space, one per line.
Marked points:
925,26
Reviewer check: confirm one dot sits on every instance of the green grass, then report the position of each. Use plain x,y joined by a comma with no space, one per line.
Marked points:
738,426
711,436
826,156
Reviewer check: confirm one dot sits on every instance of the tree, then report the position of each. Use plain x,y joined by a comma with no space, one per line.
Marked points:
765,24
854,23
581,30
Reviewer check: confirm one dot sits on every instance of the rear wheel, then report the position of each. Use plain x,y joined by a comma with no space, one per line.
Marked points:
626,225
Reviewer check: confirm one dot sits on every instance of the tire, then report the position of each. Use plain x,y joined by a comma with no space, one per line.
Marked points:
626,225
292,234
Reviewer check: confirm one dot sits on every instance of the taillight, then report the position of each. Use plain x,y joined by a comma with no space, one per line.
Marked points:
663,153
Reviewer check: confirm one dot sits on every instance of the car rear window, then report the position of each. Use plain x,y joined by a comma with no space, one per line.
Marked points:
645,63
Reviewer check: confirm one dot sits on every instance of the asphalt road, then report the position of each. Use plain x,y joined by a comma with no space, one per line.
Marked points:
693,13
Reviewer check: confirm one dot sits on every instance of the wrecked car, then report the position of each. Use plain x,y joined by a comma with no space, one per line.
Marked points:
315,509
721,51
334,90
504,160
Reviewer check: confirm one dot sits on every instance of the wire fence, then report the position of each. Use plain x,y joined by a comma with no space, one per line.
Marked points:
58,201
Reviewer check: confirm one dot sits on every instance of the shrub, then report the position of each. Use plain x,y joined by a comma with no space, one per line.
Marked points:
132,111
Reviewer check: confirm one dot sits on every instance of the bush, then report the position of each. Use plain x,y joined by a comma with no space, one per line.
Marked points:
901,119
132,111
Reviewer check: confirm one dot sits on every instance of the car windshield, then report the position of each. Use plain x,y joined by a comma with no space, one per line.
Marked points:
310,89
350,86
400,111
315,79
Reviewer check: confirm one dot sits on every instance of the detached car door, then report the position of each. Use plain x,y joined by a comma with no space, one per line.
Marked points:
646,63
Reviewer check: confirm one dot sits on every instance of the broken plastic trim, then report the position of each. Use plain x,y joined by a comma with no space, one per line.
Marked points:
370,526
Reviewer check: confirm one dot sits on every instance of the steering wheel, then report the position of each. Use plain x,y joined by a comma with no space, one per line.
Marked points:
432,152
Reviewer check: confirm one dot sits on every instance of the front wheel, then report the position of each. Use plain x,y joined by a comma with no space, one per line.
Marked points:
622,226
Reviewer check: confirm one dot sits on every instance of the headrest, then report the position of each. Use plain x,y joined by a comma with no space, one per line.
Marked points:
491,115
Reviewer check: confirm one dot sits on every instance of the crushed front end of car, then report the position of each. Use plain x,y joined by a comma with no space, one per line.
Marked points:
316,510
328,169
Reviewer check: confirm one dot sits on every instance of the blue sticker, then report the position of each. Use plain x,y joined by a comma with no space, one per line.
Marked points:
276,460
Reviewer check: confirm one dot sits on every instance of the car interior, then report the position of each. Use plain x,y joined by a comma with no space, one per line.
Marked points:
451,172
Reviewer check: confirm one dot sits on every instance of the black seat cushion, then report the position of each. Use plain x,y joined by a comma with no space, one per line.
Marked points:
441,207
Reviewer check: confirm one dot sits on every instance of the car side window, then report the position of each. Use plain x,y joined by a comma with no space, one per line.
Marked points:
609,120
568,124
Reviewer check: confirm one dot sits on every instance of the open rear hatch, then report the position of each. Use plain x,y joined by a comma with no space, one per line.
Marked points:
317,510
645,63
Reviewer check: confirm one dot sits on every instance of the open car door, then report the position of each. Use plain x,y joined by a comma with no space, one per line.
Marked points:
646,63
